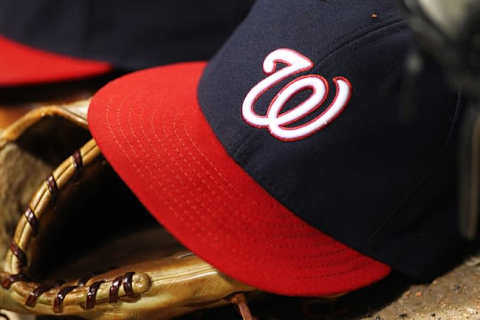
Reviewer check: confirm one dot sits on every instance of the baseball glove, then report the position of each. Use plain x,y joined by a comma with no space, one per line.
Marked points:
77,242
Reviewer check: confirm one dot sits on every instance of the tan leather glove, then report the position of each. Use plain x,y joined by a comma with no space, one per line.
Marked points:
77,242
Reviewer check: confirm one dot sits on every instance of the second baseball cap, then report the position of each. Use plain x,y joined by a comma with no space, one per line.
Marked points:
284,161
24,65
48,41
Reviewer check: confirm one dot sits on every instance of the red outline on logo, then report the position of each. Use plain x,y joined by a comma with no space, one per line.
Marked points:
279,114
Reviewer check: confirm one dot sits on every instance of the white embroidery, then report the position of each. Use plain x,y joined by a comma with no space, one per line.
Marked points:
275,120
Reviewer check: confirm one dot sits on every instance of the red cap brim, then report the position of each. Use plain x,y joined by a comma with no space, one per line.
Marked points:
150,128
23,65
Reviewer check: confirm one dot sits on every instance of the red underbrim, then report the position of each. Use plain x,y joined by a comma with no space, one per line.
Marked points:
22,65
150,128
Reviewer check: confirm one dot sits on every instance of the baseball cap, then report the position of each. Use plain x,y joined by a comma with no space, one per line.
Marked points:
284,161
50,41
23,65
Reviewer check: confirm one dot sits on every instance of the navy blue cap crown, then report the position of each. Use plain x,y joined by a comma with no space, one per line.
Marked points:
128,34
305,96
